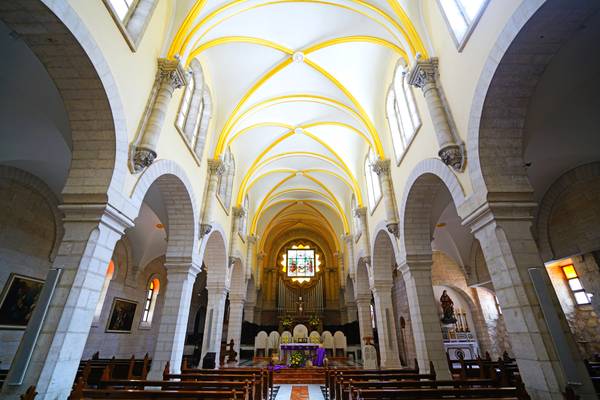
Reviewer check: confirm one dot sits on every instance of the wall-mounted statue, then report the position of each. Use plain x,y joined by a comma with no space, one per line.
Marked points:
447,308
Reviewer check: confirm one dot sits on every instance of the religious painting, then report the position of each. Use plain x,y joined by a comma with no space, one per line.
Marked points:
19,297
300,263
121,316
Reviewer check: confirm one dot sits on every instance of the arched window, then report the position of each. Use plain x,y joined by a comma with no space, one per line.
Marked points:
373,185
225,186
131,17
150,302
462,17
402,114
184,107
110,271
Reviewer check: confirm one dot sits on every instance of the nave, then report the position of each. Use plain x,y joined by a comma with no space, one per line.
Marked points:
261,198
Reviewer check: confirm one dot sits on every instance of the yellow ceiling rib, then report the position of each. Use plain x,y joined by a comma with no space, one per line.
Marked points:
301,97
237,39
263,42
243,185
355,39
411,36
308,203
258,125
356,189
302,126
270,3
412,32
270,196
178,40
299,171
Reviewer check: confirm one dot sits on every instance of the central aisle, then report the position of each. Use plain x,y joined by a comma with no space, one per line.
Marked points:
299,392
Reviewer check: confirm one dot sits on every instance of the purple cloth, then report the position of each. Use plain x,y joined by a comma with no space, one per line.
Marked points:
320,357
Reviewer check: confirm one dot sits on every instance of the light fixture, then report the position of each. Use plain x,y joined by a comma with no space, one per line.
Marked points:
160,226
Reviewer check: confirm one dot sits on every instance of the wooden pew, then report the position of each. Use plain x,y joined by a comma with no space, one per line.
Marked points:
330,373
347,387
479,393
377,375
259,377
265,375
119,368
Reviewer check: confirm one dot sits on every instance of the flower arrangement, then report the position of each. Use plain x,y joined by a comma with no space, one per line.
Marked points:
297,359
287,322
314,321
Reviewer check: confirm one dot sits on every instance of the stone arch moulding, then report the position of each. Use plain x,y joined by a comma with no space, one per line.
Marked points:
180,203
56,35
445,176
494,136
213,252
549,201
32,182
379,227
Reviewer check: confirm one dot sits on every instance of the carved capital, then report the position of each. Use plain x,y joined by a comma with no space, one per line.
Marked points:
347,238
360,212
423,73
251,239
261,255
233,260
238,212
205,229
392,228
142,159
365,259
216,167
172,72
452,156
381,166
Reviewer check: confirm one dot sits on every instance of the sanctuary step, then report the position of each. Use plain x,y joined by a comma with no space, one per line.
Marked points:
300,375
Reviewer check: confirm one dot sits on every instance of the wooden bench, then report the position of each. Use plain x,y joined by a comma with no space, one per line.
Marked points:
479,393
259,377
93,369
122,394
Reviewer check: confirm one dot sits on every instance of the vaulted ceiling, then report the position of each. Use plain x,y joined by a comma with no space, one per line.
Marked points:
299,89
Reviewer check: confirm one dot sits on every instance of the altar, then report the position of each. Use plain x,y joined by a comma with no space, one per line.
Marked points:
285,349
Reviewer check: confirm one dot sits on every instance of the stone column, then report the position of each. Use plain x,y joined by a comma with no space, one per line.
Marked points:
215,171
181,275
504,232
213,327
169,77
238,214
91,232
340,268
424,316
363,306
349,242
363,242
351,310
236,314
382,169
260,269
249,308
250,256
386,326
424,76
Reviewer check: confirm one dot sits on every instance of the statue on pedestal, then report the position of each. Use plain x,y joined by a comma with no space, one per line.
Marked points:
447,308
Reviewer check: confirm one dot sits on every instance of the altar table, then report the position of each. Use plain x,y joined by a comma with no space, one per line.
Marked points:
285,349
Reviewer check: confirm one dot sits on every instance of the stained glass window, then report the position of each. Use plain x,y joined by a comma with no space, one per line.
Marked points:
300,263
581,297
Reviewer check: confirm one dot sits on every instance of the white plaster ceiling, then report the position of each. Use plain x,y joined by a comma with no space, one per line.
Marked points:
336,94
34,126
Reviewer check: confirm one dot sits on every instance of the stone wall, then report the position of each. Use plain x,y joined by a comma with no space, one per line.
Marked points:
406,342
27,238
142,339
582,319
446,272
494,322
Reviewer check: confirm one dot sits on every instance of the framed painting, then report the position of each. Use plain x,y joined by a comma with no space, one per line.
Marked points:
121,316
18,300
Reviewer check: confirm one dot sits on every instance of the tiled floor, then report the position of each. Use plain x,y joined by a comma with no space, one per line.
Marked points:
286,391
